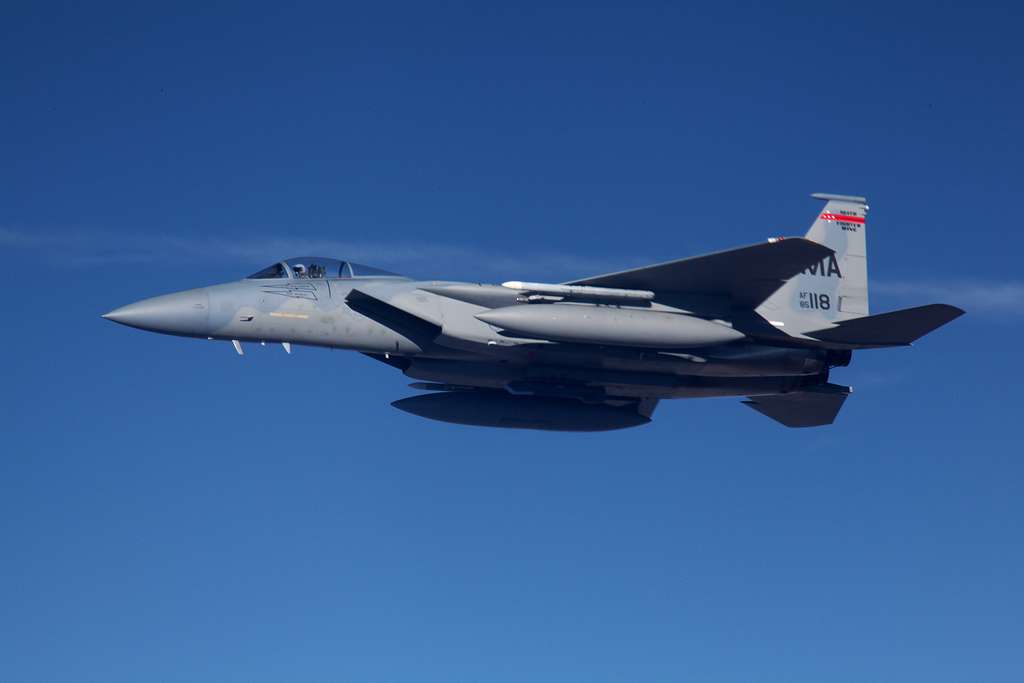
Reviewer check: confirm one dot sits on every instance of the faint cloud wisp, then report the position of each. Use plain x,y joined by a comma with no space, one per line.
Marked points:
975,296
98,248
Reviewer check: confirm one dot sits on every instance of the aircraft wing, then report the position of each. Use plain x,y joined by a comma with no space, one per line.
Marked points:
811,407
748,275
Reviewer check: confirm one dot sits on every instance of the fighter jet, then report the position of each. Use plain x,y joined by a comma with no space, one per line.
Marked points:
767,322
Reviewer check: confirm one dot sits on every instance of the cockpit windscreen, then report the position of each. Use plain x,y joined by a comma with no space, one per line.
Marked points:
270,272
314,267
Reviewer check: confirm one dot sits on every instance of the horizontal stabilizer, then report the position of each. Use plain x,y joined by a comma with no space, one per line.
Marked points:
748,274
897,328
811,407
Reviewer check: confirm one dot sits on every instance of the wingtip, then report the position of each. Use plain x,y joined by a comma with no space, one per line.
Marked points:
949,311
817,247
801,240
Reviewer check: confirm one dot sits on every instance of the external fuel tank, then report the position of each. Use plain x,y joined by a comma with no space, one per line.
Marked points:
499,409
609,326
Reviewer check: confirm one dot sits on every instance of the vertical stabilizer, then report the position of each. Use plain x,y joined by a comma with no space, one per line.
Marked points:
835,289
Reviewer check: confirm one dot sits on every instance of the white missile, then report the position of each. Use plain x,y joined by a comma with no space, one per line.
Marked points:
579,291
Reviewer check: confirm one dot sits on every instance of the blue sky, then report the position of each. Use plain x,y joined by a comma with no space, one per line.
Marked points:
171,511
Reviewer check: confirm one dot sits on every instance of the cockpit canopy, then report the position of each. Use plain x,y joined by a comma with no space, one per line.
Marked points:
315,267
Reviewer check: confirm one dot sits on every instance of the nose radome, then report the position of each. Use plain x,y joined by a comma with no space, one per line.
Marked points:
186,313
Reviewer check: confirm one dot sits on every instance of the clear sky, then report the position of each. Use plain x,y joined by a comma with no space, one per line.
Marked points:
170,511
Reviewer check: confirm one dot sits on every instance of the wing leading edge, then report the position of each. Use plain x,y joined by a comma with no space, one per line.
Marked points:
748,275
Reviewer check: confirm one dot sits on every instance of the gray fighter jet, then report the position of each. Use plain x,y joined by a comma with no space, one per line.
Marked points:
767,322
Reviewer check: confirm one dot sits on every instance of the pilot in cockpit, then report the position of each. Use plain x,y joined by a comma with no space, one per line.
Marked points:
299,270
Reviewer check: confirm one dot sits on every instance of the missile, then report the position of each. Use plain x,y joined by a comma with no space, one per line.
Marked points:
579,291
609,326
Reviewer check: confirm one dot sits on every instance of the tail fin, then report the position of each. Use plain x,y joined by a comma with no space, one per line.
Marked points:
835,289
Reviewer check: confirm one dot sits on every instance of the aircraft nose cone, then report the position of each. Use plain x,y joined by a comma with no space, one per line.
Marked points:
185,313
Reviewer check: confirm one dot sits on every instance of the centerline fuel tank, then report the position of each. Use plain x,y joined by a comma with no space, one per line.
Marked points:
499,409
609,326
